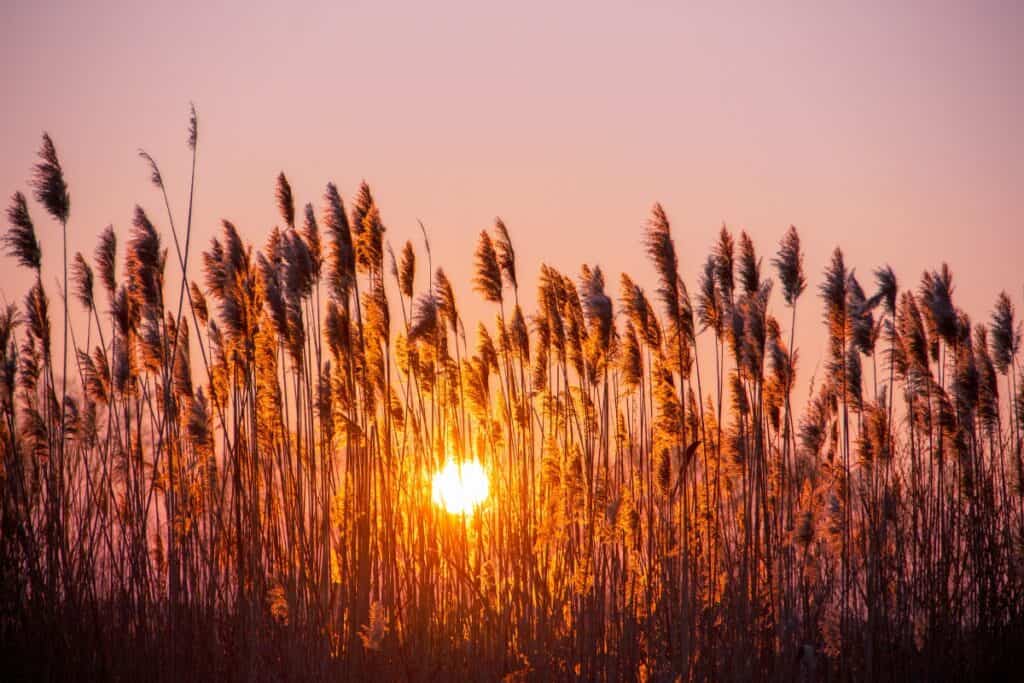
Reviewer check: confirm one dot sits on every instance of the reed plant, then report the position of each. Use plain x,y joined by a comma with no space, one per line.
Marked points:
235,482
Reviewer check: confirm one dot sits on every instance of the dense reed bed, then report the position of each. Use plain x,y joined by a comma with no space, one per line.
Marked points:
231,479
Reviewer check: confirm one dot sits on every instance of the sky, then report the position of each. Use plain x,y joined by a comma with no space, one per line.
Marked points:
892,130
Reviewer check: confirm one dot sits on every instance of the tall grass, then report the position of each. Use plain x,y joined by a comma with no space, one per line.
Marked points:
236,483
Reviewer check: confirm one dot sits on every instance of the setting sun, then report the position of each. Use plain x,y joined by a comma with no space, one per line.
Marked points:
460,488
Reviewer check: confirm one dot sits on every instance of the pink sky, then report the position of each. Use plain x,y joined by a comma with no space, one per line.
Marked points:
894,132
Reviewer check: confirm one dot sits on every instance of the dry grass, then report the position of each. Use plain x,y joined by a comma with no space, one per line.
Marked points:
241,488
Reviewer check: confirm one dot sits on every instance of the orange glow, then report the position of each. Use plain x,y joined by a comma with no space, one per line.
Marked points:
459,488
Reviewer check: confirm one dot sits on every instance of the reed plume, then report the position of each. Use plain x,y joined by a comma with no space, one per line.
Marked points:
51,190
1006,333
285,202
488,273
20,239
789,262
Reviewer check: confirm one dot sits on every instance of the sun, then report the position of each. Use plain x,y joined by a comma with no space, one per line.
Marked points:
459,488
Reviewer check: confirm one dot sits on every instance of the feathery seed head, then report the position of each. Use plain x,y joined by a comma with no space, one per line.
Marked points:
20,239
106,260
154,171
749,266
341,272
488,273
407,270
285,201
506,254
81,277
48,182
311,234
193,127
789,262
1006,333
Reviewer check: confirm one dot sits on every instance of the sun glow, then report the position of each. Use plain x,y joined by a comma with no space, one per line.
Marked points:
460,488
